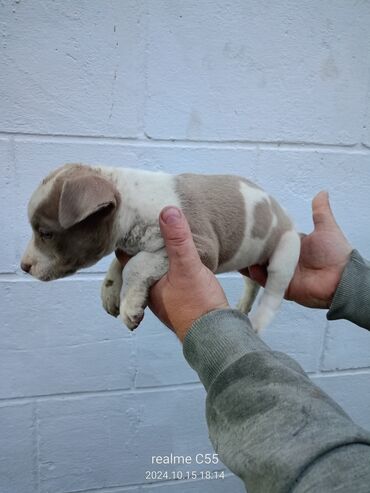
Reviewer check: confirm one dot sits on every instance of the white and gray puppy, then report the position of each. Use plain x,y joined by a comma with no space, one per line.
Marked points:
81,213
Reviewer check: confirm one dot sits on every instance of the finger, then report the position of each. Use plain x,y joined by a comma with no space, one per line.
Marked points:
258,273
322,214
182,254
122,257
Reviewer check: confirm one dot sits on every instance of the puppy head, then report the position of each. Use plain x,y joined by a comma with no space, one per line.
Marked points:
72,215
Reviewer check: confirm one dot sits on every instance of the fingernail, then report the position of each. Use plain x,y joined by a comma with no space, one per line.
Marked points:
171,215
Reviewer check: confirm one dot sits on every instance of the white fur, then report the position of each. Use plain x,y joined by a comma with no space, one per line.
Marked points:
144,192
40,194
38,260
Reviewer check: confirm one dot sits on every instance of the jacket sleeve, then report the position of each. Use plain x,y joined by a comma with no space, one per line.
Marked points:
268,422
352,297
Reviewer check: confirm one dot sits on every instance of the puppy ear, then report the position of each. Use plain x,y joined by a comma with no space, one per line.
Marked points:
83,196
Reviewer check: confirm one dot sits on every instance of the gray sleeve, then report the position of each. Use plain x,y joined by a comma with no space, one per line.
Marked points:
352,297
270,425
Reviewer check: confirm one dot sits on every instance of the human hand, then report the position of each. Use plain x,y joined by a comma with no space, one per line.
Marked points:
189,289
324,254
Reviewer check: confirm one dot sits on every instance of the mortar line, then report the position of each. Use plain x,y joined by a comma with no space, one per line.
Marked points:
160,388
97,393
145,14
345,372
145,141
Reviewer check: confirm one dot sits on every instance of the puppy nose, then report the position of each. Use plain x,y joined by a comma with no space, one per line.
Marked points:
26,267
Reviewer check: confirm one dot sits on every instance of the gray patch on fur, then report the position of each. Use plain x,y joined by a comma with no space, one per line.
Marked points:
262,219
84,195
214,207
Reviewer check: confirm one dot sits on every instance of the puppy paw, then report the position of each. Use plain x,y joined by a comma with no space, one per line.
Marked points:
110,295
131,314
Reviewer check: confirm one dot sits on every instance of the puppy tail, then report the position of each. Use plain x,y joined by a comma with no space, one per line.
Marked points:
251,289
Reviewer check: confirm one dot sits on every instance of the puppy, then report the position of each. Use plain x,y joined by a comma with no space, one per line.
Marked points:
81,213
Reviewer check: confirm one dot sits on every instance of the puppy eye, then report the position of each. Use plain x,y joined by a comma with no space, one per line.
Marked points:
45,235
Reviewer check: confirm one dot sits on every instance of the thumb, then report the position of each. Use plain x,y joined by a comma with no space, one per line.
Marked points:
182,254
322,214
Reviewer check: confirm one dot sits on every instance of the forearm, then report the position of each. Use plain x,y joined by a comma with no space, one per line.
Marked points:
352,297
266,419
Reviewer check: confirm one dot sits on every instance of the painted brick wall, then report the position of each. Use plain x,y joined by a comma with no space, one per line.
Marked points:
275,91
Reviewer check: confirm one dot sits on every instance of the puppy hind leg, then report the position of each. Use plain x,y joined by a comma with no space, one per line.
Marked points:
251,289
280,271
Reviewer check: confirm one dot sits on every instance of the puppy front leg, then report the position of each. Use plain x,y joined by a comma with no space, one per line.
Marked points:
111,288
139,274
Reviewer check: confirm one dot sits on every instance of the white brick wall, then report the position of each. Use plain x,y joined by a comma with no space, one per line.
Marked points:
275,91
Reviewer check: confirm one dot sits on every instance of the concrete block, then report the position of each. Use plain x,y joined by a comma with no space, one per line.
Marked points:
351,391
87,77
18,466
257,71
160,361
199,158
62,313
346,346
61,341
106,441
92,367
